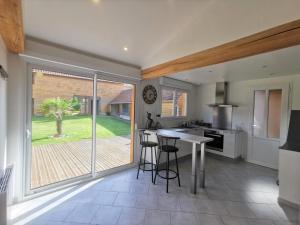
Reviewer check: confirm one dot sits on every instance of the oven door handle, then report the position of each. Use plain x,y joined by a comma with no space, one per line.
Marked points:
214,135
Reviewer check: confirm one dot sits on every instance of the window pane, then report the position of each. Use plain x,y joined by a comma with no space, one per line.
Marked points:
61,127
173,103
180,106
274,113
259,113
167,108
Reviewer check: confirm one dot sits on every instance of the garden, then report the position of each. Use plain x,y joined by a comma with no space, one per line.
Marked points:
61,122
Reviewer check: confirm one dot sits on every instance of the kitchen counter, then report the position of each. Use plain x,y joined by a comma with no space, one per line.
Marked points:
221,131
185,135
232,145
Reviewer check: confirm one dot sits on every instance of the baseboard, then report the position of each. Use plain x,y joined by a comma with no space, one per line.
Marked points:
287,202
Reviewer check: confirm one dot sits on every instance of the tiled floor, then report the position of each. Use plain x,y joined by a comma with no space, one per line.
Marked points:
237,193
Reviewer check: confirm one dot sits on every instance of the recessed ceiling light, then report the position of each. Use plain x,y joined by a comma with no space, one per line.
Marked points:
125,48
96,1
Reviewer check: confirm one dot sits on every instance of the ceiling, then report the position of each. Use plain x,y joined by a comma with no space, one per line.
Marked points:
156,31
283,62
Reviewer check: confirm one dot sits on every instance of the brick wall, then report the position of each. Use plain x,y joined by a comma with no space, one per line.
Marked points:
51,86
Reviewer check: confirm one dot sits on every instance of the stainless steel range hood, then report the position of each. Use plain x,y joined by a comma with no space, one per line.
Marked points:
221,96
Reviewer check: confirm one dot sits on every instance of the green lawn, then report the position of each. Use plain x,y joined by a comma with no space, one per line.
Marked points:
76,128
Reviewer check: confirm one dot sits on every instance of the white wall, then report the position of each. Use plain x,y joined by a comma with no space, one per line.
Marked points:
155,108
241,95
3,100
16,114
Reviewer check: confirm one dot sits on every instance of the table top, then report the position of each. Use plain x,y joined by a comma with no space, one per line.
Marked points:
182,135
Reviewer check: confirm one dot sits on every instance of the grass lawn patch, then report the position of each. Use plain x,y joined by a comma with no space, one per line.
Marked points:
76,128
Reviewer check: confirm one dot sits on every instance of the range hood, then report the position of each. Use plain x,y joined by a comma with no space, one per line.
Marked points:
221,96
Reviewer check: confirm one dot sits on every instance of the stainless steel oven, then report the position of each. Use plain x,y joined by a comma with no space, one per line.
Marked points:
218,142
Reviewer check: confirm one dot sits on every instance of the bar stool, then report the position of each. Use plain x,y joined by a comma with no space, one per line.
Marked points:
167,144
146,144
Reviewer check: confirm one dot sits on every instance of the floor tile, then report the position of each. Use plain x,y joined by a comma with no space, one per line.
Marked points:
83,213
58,223
263,211
60,212
240,210
132,216
125,199
139,188
121,186
230,220
105,198
156,217
168,203
146,201
107,215
206,219
182,218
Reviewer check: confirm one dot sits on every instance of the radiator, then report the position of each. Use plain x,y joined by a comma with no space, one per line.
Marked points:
4,180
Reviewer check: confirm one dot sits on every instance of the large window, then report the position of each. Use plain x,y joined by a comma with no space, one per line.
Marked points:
62,144
174,103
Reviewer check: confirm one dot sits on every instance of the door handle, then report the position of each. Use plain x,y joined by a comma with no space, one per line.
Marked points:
28,133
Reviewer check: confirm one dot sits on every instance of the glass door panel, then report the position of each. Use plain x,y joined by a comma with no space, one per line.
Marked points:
274,113
114,124
61,120
259,113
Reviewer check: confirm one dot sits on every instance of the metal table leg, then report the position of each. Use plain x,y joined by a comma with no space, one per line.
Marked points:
194,170
202,166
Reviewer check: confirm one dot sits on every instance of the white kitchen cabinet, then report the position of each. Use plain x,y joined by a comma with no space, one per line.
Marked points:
231,145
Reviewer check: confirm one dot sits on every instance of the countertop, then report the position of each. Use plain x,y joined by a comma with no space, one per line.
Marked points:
195,128
183,135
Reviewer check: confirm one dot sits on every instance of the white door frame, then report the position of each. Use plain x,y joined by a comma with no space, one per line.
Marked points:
285,111
26,173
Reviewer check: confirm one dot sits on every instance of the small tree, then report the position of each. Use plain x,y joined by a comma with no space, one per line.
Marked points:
56,108
75,104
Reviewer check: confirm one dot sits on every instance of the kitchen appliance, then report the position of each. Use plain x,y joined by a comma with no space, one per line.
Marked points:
218,142
222,111
221,96
222,117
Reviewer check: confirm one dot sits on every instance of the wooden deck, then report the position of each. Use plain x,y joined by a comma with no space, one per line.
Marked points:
52,163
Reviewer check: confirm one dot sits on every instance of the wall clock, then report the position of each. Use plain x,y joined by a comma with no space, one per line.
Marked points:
149,94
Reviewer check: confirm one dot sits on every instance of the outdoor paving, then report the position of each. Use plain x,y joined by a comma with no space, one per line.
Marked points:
52,163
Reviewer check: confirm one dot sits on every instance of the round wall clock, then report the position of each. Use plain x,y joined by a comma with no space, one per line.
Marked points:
149,94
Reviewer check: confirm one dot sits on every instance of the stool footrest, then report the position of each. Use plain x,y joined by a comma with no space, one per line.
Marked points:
170,177
142,166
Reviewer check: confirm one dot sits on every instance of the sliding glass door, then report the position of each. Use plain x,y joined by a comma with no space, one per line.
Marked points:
61,123
60,128
114,142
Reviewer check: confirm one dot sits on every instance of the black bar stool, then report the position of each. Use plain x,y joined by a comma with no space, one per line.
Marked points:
167,144
146,144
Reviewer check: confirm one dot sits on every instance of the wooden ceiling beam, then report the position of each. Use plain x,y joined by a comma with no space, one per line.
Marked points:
11,25
279,37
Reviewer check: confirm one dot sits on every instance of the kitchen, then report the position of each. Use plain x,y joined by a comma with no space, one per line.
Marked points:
180,113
